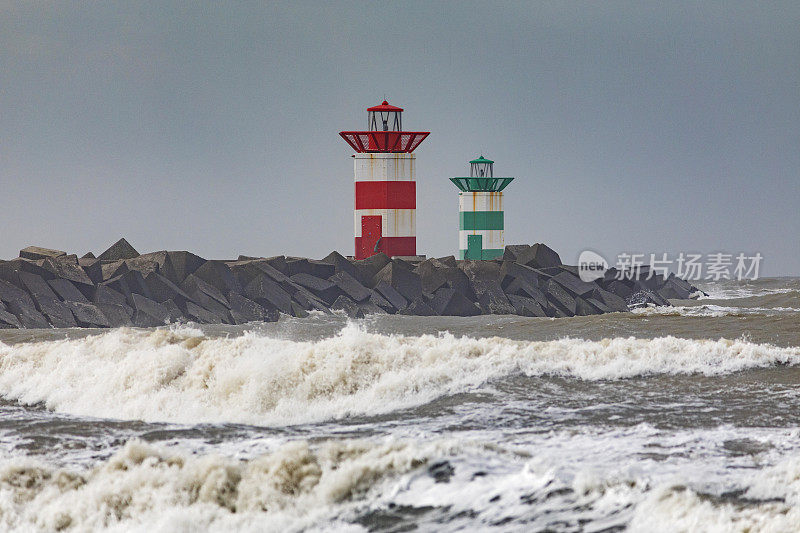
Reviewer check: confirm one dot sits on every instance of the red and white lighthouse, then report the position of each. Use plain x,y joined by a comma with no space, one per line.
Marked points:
385,190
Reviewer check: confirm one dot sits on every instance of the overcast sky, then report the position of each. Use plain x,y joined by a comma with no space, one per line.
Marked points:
213,127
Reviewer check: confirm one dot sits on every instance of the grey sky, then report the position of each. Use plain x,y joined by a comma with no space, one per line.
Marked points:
214,127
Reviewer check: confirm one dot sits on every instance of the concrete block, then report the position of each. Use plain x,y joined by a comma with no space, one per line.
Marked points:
34,253
183,264
350,286
7,319
346,304
518,253
391,295
56,312
400,278
143,264
244,310
449,302
93,269
456,279
11,293
176,316
620,288
201,315
311,267
148,313
559,297
35,267
431,275
120,285
484,276
520,287
643,297
418,307
163,289
298,311
246,271
117,315
574,284
88,315
27,314
368,268
376,298
526,306
9,271
217,274
278,262
266,292
584,308
369,308
160,262
36,286
342,264
613,302
543,257
321,288
306,300
136,284
64,269
193,283
119,250
509,271
112,269
104,294
597,304
675,288
448,261
211,304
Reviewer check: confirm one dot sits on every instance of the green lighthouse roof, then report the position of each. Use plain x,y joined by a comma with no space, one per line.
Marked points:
481,159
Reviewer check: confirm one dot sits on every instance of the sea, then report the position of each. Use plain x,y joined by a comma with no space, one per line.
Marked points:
683,418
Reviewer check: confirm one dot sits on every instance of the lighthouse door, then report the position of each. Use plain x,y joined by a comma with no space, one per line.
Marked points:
474,247
370,235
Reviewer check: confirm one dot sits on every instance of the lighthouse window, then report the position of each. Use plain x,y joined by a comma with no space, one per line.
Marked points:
384,121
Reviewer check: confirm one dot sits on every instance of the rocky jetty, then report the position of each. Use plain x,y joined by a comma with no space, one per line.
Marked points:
46,288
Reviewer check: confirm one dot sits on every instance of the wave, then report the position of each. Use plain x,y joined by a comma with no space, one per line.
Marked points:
179,375
737,290
338,484
768,501
146,488
711,310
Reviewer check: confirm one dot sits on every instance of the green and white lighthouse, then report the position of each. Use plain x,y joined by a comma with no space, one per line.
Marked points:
480,211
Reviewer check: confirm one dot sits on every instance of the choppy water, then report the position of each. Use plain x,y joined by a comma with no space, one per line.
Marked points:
667,419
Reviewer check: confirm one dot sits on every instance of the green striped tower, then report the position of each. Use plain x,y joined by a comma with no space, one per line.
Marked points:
480,211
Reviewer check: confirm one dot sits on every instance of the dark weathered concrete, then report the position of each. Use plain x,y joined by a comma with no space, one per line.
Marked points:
49,288
119,250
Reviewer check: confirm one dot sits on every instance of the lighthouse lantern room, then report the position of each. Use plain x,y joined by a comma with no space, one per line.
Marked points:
385,187
480,206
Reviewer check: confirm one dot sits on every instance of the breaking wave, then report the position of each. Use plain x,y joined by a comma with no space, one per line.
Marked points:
146,488
180,375
342,485
710,310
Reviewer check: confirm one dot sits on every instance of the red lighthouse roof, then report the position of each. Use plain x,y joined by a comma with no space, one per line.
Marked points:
384,132
384,107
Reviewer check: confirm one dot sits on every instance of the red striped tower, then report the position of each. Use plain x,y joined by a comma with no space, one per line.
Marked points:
385,190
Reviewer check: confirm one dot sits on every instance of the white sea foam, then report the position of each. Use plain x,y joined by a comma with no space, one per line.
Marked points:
146,488
710,310
181,376
603,478
733,290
